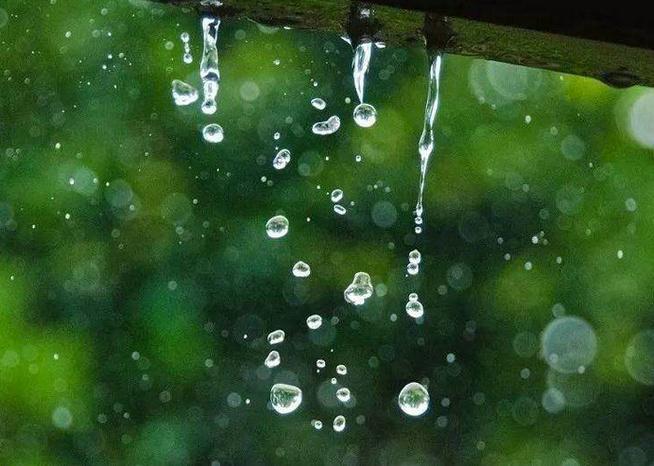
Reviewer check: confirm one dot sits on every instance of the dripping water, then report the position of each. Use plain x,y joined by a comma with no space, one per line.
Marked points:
426,145
365,115
209,65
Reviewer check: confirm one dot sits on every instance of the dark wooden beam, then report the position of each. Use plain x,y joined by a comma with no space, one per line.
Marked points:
610,43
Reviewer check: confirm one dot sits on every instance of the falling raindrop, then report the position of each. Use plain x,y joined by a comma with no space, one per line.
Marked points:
209,71
415,257
273,359
183,93
426,144
314,321
318,103
275,337
364,114
282,159
339,423
343,394
329,126
414,307
340,210
336,195
341,369
285,398
317,424
413,399
301,269
277,227
213,133
359,290
320,363
412,269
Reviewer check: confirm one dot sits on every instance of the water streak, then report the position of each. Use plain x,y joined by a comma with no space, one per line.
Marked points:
209,65
426,145
365,115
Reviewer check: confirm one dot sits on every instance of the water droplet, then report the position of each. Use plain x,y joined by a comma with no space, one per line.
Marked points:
320,363
341,369
336,195
187,57
318,103
413,399
415,257
275,337
282,159
412,269
277,226
213,133
339,423
209,71
317,424
301,269
365,115
273,359
340,210
359,290
183,93
414,307
343,394
285,398
329,126
314,321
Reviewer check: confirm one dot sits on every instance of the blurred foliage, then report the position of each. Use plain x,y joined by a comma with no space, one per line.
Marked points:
137,283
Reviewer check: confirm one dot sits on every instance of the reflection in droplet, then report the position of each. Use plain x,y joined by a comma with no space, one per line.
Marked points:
277,227
301,269
359,290
275,337
273,359
285,398
413,399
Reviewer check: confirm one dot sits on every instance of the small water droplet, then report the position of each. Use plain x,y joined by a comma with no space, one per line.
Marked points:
277,226
285,398
320,363
213,133
359,290
365,115
329,126
275,337
343,394
314,321
415,257
412,269
414,307
318,103
413,399
282,159
183,93
339,423
301,269
273,359
341,369
340,210
336,195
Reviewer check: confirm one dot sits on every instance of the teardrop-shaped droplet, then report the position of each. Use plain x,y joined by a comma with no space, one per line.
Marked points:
183,93
301,269
282,159
318,103
277,226
314,321
273,359
329,126
285,398
414,307
336,195
275,337
339,423
343,394
213,133
359,290
413,399
365,115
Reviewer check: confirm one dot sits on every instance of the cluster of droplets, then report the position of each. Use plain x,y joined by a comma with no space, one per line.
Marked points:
413,267
365,115
413,399
414,307
186,42
336,196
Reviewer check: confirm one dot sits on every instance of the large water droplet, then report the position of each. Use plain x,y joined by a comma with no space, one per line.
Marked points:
413,399
275,337
301,269
343,394
277,226
285,398
282,159
359,290
314,321
183,93
339,423
336,195
213,133
329,126
273,359
414,307
318,103
365,115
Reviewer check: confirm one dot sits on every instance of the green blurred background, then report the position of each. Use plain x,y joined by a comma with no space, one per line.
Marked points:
137,283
